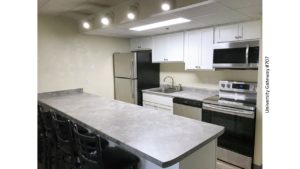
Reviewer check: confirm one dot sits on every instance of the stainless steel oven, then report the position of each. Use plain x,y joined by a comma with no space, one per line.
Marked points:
238,55
235,110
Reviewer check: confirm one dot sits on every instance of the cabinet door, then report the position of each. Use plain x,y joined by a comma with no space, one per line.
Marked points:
227,33
250,30
134,43
159,50
192,49
207,42
175,47
141,43
146,43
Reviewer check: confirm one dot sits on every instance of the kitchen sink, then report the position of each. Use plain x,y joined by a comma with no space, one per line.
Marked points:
162,90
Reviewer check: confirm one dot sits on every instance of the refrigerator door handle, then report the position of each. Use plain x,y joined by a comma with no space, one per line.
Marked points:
131,70
132,89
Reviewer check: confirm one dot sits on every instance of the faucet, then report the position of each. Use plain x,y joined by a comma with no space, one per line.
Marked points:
171,79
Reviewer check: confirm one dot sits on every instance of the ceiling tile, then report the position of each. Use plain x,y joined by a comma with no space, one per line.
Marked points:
235,4
254,12
202,10
222,18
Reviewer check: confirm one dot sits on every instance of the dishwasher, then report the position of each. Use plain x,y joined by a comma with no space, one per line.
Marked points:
187,108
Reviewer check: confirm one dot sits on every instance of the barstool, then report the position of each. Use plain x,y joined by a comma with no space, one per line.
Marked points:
93,156
65,156
46,138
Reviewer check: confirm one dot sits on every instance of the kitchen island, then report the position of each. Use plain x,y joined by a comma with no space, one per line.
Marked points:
161,140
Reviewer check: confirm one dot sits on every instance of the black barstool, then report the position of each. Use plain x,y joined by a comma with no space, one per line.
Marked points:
93,156
41,137
65,156
46,138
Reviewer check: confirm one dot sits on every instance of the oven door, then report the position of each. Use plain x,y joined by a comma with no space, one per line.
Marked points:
239,125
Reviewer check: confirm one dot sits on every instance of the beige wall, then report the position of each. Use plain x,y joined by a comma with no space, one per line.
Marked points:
67,59
205,78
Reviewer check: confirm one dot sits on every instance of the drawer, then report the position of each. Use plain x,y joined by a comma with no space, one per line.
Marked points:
159,107
162,100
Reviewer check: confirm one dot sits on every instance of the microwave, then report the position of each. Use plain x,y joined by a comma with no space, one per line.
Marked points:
238,55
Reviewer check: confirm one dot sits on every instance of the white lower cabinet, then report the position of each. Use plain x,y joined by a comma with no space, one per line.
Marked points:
158,102
198,49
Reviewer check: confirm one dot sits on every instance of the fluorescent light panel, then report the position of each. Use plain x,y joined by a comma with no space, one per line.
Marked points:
160,24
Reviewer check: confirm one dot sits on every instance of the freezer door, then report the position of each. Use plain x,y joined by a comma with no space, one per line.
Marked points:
125,65
126,90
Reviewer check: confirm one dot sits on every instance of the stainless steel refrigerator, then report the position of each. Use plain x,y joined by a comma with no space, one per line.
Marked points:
134,72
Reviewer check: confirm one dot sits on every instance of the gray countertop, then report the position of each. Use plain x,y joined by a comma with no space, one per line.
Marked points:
159,137
187,93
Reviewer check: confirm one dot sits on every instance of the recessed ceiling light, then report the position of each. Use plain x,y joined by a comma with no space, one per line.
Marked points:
131,15
160,24
105,21
86,25
165,6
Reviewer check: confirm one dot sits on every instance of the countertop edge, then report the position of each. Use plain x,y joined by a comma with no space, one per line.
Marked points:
157,93
59,93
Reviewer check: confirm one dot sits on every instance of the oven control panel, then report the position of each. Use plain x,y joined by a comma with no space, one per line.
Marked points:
245,87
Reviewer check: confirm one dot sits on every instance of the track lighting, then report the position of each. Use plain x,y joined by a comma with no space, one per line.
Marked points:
132,12
86,25
130,15
167,5
105,20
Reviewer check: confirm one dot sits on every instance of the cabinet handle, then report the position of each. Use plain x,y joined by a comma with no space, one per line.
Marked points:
165,59
237,37
139,46
240,37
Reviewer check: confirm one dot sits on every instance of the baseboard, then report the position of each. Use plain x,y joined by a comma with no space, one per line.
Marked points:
257,166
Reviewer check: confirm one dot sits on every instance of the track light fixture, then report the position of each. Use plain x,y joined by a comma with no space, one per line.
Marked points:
132,12
86,24
106,19
166,5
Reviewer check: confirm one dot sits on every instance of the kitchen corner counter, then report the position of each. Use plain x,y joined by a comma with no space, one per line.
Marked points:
187,93
158,137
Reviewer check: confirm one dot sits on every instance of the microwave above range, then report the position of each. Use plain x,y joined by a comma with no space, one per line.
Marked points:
238,55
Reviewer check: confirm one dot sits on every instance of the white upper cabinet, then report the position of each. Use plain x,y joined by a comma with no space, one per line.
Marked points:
227,33
168,48
251,30
198,49
238,32
141,44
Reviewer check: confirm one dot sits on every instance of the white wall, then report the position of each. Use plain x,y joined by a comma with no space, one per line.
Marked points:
68,59
205,78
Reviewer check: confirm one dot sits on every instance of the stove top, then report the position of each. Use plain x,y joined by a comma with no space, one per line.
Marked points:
230,103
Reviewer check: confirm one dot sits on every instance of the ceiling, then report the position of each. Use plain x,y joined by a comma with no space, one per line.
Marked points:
74,9
203,14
